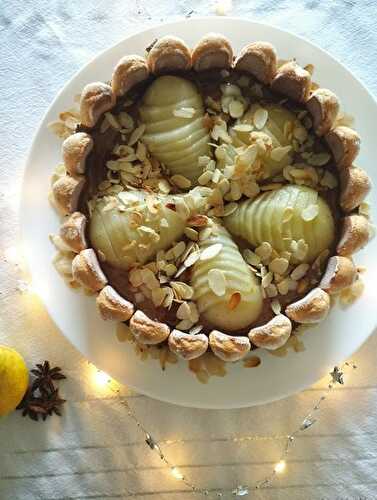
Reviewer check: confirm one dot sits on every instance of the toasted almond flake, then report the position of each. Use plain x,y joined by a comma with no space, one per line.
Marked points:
196,329
234,301
271,291
205,178
329,180
178,249
191,233
164,222
191,247
320,159
300,134
185,324
216,176
251,258
112,120
169,298
191,259
182,290
248,156
230,89
135,277
283,286
164,186
194,313
236,108
299,271
275,306
184,311
158,296
181,208
299,249
198,221
260,118
126,120
310,212
136,135
243,127
170,269
181,181
277,154
264,250
267,280
230,208
211,251
205,233
217,282
278,265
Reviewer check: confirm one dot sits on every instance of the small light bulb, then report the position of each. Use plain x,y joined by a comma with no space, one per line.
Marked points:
101,378
223,7
280,467
175,472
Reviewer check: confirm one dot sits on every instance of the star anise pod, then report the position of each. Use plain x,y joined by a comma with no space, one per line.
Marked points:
42,398
45,376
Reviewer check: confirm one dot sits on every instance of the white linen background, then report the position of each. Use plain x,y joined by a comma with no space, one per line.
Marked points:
95,450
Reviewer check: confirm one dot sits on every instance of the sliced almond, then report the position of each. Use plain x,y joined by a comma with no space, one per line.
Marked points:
260,118
312,308
87,270
147,331
182,290
113,306
217,282
236,108
278,153
186,345
278,265
340,273
273,334
300,271
181,181
264,250
228,347
211,251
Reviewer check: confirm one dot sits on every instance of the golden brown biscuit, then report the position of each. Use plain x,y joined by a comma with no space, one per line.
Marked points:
259,59
168,54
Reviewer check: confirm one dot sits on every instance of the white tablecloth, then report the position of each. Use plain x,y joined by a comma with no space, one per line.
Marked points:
95,450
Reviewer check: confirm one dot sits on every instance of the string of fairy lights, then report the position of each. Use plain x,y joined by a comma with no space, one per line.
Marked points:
101,379
311,418
13,255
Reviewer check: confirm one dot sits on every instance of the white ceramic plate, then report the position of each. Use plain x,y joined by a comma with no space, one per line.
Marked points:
75,314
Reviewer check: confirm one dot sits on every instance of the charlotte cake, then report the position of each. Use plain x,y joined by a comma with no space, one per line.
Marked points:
201,195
